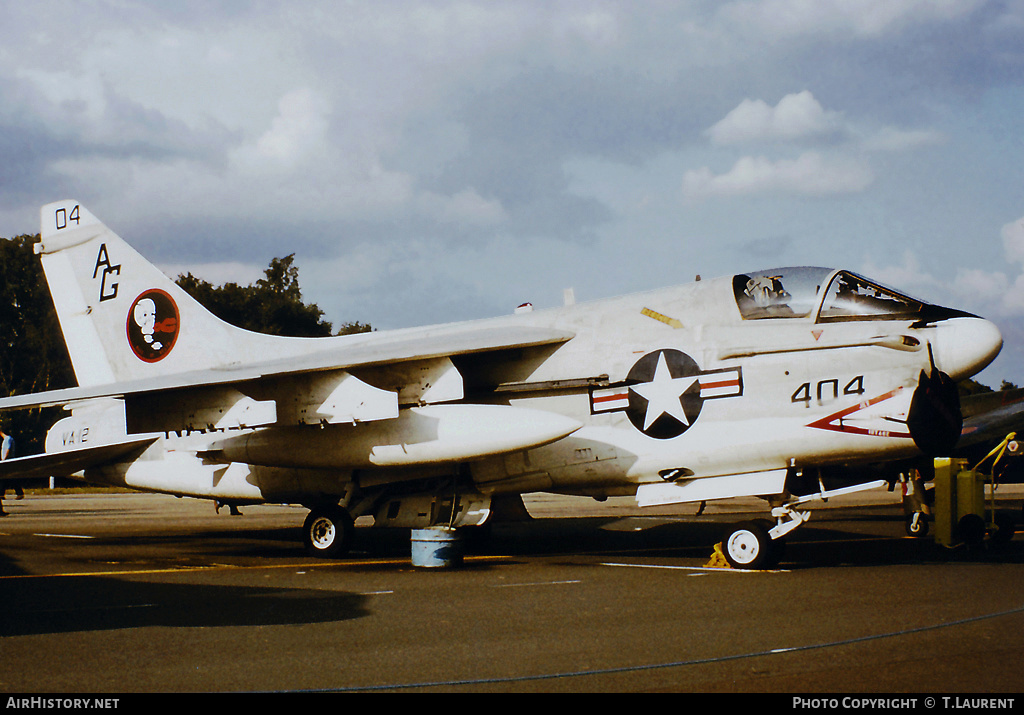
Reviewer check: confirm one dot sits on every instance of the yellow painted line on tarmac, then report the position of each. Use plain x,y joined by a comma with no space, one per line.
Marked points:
305,565
145,572
703,569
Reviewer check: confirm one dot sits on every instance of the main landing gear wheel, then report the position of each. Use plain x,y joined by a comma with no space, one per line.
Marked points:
970,529
748,546
327,532
1005,526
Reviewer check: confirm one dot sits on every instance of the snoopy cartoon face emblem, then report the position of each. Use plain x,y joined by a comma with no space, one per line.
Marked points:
665,391
153,325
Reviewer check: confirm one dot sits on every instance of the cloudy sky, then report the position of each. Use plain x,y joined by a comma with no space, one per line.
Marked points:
438,161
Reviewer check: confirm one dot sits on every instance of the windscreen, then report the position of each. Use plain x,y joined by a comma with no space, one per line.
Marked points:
851,297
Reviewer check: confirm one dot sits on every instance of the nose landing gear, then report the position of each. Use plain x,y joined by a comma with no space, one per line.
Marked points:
758,544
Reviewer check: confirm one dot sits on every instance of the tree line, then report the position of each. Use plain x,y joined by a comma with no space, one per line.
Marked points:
33,357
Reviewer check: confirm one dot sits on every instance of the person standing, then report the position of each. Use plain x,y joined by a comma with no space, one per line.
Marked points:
7,452
7,448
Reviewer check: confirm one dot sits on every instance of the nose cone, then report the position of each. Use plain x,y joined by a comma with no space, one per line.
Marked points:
965,346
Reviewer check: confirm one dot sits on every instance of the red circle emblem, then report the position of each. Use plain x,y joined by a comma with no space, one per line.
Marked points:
153,325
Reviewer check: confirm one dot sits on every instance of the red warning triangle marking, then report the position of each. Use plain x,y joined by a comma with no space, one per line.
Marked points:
834,422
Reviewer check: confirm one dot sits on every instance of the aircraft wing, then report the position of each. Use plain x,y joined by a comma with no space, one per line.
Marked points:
991,416
255,394
66,463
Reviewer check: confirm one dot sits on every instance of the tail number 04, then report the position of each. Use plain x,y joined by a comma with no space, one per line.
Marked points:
62,218
827,390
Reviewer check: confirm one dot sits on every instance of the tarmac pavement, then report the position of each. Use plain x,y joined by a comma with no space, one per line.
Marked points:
142,594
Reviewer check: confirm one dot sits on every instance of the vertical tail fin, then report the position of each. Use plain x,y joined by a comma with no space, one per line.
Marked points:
121,317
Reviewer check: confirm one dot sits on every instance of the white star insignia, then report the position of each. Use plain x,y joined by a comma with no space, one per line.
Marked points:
663,393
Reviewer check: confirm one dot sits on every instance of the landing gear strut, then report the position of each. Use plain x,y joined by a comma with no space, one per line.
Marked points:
327,531
917,524
758,544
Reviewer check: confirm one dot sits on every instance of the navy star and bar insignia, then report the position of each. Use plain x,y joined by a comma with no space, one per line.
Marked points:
664,392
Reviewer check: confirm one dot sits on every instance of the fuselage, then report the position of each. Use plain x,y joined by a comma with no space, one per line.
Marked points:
758,372
754,373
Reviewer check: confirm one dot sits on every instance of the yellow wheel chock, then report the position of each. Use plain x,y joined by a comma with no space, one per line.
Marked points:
718,560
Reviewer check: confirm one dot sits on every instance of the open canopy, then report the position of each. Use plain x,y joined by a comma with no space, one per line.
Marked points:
822,294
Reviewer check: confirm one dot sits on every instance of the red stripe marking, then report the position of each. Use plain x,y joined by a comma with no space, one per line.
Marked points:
611,398
724,383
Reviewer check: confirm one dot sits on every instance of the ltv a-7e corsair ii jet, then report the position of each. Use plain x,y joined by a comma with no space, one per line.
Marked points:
738,386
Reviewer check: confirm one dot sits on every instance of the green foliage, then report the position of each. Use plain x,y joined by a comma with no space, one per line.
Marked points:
273,304
33,358
972,387
354,327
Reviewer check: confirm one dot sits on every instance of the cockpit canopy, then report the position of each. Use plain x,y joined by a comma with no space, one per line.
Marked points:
825,294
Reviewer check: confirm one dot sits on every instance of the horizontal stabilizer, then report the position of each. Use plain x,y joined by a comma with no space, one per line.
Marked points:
64,464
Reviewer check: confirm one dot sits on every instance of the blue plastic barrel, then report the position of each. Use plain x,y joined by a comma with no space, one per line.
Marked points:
436,547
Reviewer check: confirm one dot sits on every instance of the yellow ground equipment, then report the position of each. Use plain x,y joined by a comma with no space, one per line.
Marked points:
959,506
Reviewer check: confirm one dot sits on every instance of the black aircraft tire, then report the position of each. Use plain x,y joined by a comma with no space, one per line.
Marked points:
748,546
327,532
776,547
971,529
1005,526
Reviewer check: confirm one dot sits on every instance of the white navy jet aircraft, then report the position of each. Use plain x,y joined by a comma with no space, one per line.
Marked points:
749,385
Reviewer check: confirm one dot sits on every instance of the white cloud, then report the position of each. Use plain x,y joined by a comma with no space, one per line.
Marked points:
595,26
71,98
908,276
338,123
1012,303
1013,245
464,207
1013,240
811,174
997,294
867,18
895,139
981,285
216,273
796,116
298,128
800,117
